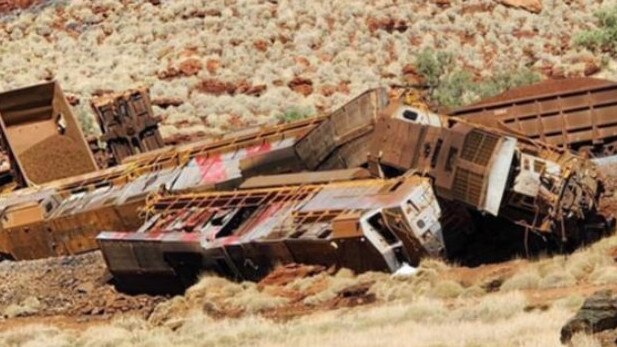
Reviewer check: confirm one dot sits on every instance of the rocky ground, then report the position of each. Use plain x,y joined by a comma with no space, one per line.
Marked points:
73,286
68,302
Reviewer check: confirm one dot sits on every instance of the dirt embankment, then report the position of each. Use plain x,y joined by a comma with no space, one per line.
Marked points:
73,286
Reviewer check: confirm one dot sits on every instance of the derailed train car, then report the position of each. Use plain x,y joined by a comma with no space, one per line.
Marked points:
574,113
366,224
64,216
538,187
430,185
471,180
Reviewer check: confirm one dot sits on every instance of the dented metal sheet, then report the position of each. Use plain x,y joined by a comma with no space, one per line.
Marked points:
472,164
578,114
305,178
242,203
346,124
127,123
305,220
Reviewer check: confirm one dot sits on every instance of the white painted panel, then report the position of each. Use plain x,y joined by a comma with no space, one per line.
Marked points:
498,175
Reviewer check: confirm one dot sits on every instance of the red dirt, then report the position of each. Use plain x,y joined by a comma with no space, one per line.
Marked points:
54,158
12,5
289,273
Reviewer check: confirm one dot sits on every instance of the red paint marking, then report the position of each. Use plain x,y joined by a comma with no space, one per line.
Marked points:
211,235
246,228
189,237
258,149
156,236
115,235
212,169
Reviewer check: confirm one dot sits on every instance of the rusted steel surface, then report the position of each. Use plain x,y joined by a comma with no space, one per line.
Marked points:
346,124
576,113
372,186
58,150
127,123
444,172
362,225
118,193
534,185
305,178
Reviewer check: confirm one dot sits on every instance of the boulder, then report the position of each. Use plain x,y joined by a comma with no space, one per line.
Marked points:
598,313
301,85
534,6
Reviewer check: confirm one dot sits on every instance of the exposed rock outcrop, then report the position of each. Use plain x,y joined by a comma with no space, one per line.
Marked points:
534,6
599,313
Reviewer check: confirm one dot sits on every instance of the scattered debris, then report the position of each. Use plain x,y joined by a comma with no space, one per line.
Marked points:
73,286
127,123
457,184
405,271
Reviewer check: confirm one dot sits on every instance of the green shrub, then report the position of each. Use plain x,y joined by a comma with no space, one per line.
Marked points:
503,81
295,113
455,88
449,87
86,121
432,66
604,38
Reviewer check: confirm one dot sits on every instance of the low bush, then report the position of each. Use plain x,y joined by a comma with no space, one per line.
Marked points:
452,87
604,37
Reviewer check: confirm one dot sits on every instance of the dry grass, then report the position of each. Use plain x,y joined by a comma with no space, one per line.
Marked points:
414,311
522,280
557,280
448,289
431,308
604,275
493,320
590,265
28,306
215,294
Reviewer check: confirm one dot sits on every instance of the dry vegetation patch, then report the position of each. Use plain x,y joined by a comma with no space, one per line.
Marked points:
517,303
240,63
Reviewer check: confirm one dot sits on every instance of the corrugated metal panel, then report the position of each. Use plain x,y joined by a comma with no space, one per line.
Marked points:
468,187
478,147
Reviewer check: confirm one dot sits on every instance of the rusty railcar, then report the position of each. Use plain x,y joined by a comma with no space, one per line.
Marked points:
576,113
64,216
540,187
477,178
41,136
127,123
361,224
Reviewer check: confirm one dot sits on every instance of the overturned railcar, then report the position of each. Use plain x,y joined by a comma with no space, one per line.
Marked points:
63,216
41,136
127,123
541,188
361,224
